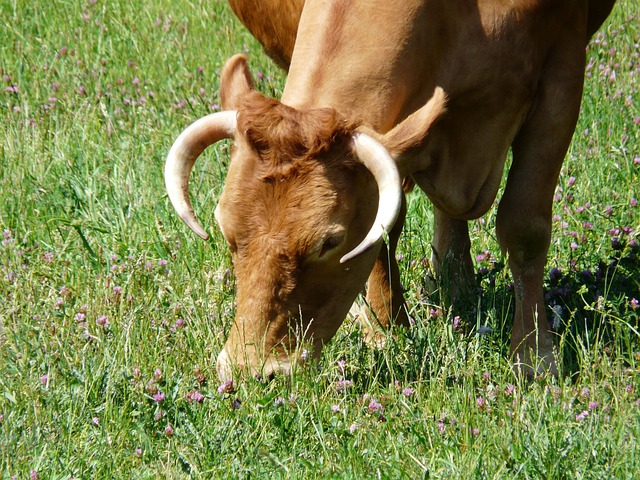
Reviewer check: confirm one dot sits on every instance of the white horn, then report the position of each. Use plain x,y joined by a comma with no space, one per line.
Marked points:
182,156
373,155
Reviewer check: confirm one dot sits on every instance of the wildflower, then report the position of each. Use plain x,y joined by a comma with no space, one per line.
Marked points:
168,430
44,379
633,202
278,401
95,421
162,262
407,392
138,452
194,396
509,389
117,290
226,387
474,431
582,415
353,427
633,303
102,321
33,475
137,374
6,234
157,375
343,384
593,405
179,323
456,322
585,393
375,407
64,291
440,425
341,365
335,408
482,403
236,404
48,257
158,397
572,180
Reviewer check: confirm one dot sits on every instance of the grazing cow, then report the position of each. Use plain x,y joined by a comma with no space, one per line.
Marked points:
432,91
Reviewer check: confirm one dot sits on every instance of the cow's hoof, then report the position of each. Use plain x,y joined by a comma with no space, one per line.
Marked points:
373,333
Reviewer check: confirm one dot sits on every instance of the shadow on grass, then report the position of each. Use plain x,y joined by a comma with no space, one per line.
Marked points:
590,309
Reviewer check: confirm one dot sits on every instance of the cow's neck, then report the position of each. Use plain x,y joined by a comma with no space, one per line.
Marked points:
352,56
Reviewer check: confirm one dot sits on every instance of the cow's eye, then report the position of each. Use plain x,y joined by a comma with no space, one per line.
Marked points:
330,244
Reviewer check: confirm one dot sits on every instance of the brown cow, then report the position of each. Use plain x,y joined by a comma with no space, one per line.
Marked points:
435,91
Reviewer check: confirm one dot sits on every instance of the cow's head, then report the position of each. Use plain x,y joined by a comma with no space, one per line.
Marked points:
305,205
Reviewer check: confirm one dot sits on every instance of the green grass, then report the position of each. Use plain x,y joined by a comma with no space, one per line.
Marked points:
92,97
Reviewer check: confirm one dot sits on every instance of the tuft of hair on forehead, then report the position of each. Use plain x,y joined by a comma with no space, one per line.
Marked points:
282,135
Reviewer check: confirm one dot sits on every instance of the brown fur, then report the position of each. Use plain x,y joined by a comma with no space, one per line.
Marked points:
274,23
284,136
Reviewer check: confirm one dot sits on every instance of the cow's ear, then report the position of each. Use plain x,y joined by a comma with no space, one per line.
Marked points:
235,82
413,131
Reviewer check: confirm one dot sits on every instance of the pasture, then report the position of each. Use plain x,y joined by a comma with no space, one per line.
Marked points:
112,312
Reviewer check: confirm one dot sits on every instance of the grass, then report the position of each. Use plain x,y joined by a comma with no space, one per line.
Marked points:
112,312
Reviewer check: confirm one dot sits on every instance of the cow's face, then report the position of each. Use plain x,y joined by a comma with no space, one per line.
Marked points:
287,226
304,208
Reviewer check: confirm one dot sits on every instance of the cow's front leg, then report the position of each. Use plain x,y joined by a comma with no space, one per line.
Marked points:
384,290
451,258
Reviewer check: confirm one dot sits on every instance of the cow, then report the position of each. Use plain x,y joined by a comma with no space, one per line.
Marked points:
429,92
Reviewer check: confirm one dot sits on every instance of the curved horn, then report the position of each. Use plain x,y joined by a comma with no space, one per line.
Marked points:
373,155
182,156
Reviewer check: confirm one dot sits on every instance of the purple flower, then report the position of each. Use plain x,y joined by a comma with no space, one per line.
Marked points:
593,405
226,387
375,407
582,415
80,317
157,375
138,452
102,321
482,403
6,234
117,290
95,421
168,430
585,393
194,396
33,475
440,425
44,379
572,180
136,372
158,397
407,392
335,408
343,384
509,389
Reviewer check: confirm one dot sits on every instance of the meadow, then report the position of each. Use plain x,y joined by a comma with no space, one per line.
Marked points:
112,312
